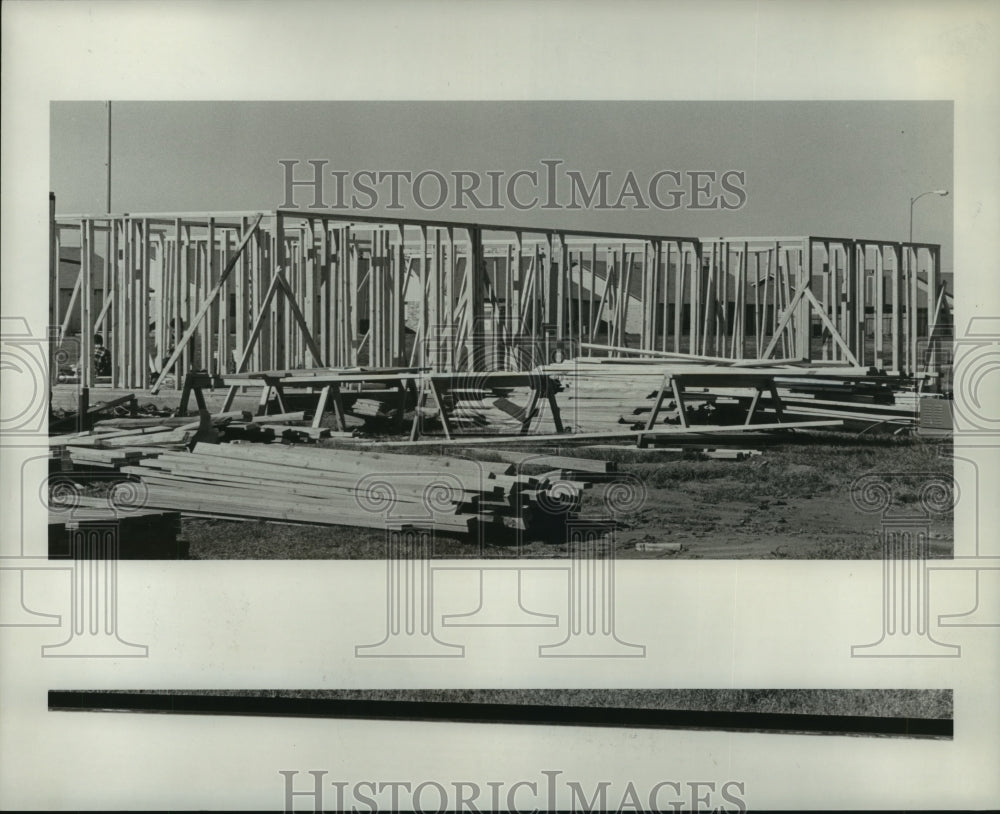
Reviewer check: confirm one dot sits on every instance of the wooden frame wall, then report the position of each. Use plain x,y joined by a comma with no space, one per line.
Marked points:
311,288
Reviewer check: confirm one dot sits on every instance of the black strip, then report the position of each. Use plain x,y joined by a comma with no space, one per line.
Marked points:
465,712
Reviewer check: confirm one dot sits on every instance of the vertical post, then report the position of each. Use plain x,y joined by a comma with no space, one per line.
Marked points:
708,317
108,191
180,298
279,261
433,338
648,299
476,300
426,304
242,291
932,314
86,304
399,305
337,301
879,334
861,306
374,287
115,334
143,365
679,288
913,311
228,289
560,283
663,260
163,300
446,312
897,295
804,327
694,307
621,297
510,301
591,287
831,298
53,266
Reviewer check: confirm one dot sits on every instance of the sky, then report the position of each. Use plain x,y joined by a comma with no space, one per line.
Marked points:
841,169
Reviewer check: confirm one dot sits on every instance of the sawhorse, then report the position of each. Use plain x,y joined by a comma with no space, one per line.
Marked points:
674,384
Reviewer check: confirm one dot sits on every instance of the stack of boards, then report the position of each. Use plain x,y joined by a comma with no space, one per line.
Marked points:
98,528
353,488
600,393
120,442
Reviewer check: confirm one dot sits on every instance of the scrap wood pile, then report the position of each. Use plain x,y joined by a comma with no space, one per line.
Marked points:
66,420
352,488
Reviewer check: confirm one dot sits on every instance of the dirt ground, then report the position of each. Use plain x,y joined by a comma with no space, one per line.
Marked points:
791,501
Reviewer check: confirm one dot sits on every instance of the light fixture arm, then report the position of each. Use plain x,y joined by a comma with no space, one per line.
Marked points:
941,192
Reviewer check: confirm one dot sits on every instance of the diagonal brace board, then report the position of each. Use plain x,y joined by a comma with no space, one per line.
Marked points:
206,305
801,293
278,282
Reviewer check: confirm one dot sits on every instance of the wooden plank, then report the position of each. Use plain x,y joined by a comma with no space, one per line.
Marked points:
555,461
707,430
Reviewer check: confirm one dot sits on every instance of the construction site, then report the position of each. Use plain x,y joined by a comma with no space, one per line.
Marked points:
304,383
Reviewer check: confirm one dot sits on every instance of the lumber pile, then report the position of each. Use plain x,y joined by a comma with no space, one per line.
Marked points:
355,488
139,533
61,421
122,441
114,450
96,458
603,392
564,463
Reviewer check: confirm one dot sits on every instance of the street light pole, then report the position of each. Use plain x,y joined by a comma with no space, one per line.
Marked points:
108,198
940,192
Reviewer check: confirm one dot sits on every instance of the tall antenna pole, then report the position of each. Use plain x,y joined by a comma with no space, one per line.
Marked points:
109,158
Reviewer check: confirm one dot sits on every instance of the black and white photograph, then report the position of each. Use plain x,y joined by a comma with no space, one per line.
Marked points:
499,408
490,345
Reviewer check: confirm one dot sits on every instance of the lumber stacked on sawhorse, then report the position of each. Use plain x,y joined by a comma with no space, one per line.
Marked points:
643,393
480,399
352,488
334,389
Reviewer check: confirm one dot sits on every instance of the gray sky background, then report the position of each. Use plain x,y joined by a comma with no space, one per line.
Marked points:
824,168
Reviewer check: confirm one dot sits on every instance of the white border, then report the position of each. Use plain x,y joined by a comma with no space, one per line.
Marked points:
750,624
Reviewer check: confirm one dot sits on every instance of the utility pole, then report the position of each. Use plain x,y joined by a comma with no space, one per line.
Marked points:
108,164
